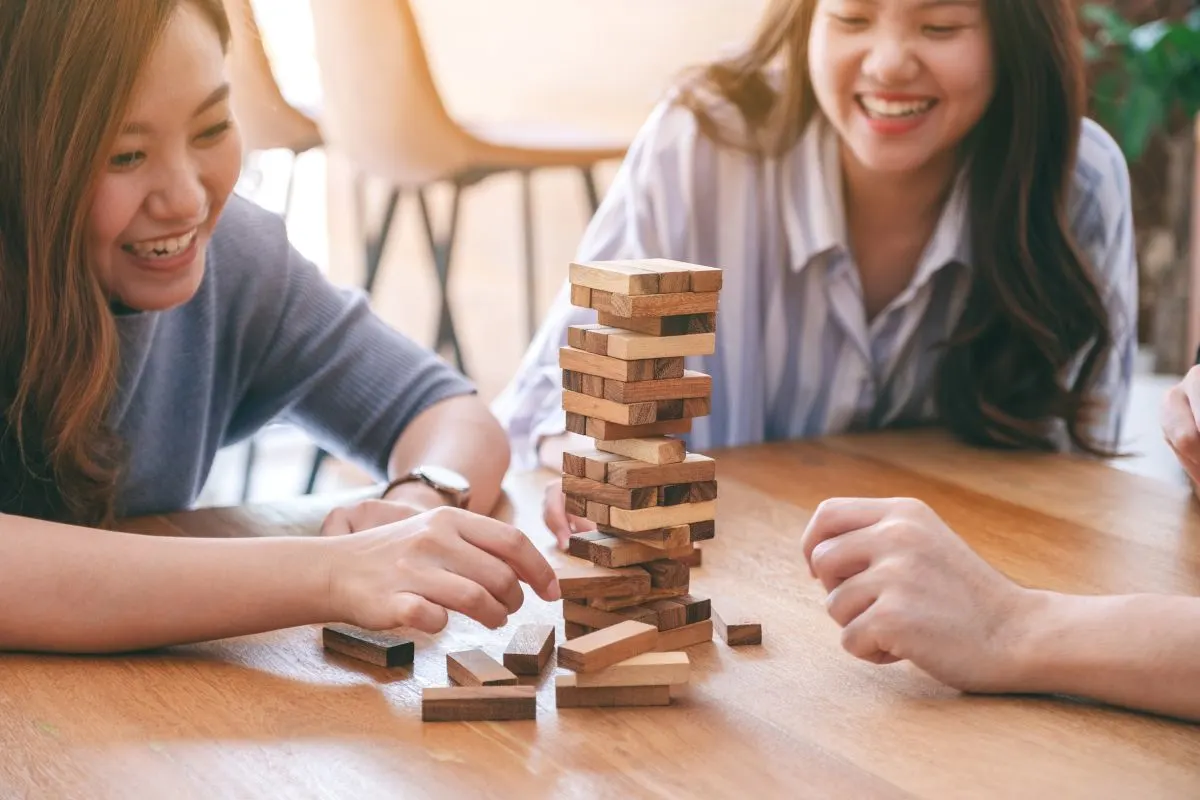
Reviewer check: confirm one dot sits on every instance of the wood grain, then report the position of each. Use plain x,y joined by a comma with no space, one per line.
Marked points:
632,473
654,326
642,519
663,305
692,384
687,636
647,669
582,580
599,408
567,694
607,646
577,360
529,649
478,703
608,431
626,277
737,632
375,647
656,450
275,715
610,495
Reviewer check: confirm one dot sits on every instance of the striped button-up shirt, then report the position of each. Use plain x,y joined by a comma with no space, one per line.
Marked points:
796,355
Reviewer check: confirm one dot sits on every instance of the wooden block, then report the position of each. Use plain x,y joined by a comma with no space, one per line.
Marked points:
677,493
610,495
596,618
572,381
695,559
703,531
697,608
576,506
670,614
688,635
529,650
614,552
668,368
579,360
673,276
631,345
591,464
377,647
692,384
593,385
653,450
579,544
573,631
477,703
737,633
626,277
477,668
575,463
632,473
701,278
577,423
568,695
606,647
581,296
620,413
599,514
696,407
644,519
660,538
583,580
647,669
708,280
662,305
609,431
619,603
668,409
667,573
656,326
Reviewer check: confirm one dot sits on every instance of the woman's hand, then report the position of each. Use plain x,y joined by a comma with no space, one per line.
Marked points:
402,502
1181,423
411,573
554,513
904,586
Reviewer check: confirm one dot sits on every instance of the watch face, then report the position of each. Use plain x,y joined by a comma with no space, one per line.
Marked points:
447,478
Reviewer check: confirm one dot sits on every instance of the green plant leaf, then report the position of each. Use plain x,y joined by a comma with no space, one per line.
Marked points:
1141,118
1116,27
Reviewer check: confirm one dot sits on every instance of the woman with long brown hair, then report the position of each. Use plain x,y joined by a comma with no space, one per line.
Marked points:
147,318
916,225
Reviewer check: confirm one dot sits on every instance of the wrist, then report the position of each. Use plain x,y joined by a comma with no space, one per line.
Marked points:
1041,628
417,494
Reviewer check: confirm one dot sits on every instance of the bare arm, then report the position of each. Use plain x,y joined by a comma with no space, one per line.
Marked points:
1138,651
70,589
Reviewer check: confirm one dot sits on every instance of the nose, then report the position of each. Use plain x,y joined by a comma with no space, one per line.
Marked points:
890,60
179,194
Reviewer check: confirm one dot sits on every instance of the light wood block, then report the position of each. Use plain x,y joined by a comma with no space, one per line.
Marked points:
596,618
610,495
626,277
591,464
677,493
530,649
601,515
701,278
614,552
660,538
644,519
653,450
606,647
609,431
477,668
579,544
568,695
662,305
737,633
599,408
647,669
673,276
478,703
375,647
667,573
581,382
631,345
581,296
655,326
619,603
583,580
695,559
697,608
576,506
692,384
687,636
630,473
577,360
669,614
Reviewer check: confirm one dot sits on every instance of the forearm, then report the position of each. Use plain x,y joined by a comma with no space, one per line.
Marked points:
462,435
1137,651
69,589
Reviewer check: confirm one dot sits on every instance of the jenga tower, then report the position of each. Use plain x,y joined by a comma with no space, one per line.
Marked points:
625,386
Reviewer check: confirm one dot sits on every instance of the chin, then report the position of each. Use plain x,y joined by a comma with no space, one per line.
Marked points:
894,159
161,293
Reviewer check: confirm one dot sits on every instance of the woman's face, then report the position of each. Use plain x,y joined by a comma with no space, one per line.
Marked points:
902,81
173,166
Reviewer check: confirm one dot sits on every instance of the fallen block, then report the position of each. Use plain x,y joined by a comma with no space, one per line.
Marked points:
478,703
375,647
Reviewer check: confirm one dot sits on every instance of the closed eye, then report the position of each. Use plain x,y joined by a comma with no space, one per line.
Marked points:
126,160
216,131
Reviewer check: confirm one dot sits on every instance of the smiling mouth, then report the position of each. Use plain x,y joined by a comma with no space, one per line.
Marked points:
877,108
161,248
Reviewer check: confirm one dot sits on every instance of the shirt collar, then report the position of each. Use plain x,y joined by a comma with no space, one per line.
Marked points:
815,217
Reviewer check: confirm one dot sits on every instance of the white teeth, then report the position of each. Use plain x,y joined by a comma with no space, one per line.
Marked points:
162,248
891,109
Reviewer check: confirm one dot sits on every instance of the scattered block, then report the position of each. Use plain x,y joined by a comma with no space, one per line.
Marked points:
478,703
644,519
584,581
647,669
606,647
375,647
610,495
653,450
477,668
692,384
530,649
568,695
737,633
631,473
631,370
654,326
687,636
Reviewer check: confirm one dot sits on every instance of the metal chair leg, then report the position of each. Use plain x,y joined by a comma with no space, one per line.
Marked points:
531,320
441,249
315,470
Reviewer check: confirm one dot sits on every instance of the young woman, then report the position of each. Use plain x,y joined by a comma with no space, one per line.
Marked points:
147,318
916,225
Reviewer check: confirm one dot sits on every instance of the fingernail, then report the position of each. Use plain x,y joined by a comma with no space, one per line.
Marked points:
555,591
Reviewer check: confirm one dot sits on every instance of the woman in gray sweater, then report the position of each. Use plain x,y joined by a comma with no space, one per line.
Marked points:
149,318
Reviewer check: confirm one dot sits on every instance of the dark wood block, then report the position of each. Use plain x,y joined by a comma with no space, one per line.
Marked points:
632,473
665,369
612,431
477,668
669,614
579,360
530,649
608,494
576,506
582,580
572,381
592,385
667,573
575,463
606,647
698,492
738,632
703,531
692,384
696,607
657,326
662,305
596,618
375,647
478,703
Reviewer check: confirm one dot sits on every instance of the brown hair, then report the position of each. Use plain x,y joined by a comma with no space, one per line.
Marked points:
1033,307
67,70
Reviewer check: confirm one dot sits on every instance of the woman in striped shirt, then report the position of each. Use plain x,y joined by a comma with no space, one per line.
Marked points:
916,223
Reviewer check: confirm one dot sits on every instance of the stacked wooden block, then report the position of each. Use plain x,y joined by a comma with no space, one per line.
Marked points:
625,386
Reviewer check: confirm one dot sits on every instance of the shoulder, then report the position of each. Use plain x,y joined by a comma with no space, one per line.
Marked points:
248,238
1099,204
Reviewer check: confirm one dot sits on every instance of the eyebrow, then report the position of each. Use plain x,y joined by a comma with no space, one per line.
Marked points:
218,94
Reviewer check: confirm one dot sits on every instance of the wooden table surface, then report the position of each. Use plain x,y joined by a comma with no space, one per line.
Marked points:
276,716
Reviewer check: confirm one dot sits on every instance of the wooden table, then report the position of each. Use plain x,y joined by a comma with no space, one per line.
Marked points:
276,716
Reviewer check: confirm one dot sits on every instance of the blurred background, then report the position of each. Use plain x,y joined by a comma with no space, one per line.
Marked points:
432,94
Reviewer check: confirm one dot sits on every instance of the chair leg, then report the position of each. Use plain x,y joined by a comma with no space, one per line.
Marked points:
248,473
589,187
531,320
375,245
315,471
289,191
441,249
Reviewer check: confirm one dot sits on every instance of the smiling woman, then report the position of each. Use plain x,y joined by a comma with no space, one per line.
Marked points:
148,318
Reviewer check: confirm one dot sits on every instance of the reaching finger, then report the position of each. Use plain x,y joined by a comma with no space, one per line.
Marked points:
835,560
456,593
489,572
514,548
414,611
841,515
1180,429
554,513
849,600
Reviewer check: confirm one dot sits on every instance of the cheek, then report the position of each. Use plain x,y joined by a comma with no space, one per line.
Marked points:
117,200
967,75
221,168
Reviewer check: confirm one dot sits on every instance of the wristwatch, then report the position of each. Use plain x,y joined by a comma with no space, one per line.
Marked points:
451,485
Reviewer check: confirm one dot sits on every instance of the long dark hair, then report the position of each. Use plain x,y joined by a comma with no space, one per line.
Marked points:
1033,307
67,70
